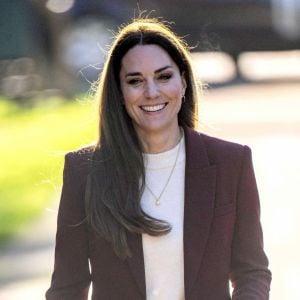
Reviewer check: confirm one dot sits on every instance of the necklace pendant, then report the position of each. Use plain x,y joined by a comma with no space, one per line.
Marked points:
157,202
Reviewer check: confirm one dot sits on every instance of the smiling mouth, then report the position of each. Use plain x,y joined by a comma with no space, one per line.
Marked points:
153,108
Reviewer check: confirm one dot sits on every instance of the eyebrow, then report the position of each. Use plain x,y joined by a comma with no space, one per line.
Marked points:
155,72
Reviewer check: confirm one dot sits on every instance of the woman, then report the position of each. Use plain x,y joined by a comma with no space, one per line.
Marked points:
156,209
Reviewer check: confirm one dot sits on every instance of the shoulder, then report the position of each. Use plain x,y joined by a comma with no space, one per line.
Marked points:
77,162
216,149
225,153
231,159
220,147
82,154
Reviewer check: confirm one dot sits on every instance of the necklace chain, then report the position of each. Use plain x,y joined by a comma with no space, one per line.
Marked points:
157,199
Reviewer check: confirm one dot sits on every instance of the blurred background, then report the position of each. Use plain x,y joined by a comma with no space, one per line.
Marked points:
246,54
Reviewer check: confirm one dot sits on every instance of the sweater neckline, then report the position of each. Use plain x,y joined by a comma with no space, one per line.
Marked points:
165,159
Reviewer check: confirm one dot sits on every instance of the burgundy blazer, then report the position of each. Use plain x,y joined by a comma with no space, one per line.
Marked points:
222,233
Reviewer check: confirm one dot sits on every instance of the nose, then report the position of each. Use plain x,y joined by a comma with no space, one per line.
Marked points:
151,90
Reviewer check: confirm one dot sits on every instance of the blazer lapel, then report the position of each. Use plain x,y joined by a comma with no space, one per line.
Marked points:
200,183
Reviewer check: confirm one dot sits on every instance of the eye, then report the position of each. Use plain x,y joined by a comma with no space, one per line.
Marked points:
165,76
134,81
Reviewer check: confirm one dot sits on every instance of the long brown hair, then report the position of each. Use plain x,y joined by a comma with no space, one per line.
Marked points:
117,175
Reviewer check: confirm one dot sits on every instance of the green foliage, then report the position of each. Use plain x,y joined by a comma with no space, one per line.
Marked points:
32,147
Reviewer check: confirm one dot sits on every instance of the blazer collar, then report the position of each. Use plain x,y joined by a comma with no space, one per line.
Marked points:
200,183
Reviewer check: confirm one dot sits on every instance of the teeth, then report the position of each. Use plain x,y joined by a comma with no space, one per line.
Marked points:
152,108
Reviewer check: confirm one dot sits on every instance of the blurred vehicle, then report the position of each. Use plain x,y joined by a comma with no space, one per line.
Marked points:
235,26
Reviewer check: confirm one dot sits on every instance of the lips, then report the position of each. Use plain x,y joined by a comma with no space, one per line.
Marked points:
153,108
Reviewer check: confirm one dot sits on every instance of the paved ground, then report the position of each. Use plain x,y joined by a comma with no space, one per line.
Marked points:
265,116
26,262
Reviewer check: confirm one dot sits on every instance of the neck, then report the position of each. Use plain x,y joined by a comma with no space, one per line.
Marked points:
156,142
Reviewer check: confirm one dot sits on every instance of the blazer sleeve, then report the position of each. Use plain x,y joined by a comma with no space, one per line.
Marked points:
71,275
250,275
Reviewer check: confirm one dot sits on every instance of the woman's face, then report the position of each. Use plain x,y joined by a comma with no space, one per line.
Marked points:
152,88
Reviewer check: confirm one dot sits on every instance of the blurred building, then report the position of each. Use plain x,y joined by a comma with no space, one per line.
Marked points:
23,45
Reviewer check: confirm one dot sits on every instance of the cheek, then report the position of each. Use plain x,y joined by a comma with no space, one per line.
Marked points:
129,95
130,101
176,93
176,89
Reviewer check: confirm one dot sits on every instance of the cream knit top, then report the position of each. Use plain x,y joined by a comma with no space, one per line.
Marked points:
163,256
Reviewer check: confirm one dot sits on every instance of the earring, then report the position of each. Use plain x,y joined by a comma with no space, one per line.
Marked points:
183,98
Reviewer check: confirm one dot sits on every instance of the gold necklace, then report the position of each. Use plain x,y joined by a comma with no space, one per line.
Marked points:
157,199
